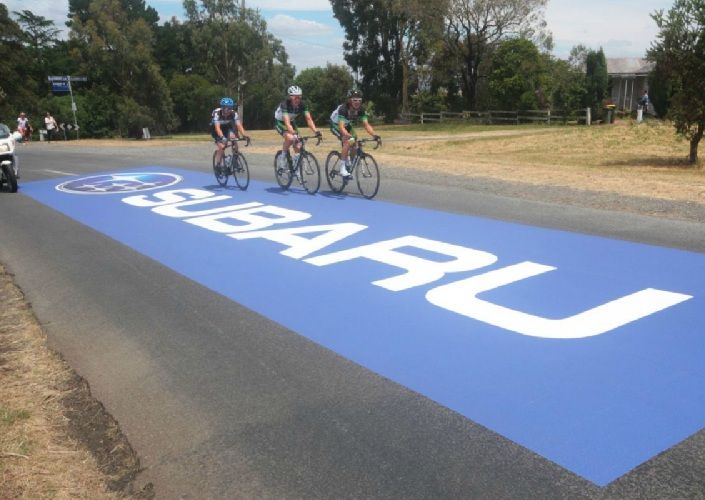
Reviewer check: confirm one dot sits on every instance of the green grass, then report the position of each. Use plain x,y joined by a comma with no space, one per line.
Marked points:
8,417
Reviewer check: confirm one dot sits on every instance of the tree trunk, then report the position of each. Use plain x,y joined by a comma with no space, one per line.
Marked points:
693,157
405,86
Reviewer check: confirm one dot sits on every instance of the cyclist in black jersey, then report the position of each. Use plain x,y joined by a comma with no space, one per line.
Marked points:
285,120
224,122
342,120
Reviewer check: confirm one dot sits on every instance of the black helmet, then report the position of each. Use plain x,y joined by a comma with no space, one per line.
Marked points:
354,93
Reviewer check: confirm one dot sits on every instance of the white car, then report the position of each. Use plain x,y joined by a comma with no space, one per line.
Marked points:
9,163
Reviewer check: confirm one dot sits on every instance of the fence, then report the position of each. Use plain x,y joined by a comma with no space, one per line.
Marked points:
581,116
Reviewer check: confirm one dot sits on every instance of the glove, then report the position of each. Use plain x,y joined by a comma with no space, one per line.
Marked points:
222,139
318,133
376,138
247,139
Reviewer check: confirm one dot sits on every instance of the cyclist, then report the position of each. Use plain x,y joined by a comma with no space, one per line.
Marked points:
224,122
285,121
341,124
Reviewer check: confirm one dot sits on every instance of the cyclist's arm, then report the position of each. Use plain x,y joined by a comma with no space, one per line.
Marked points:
309,122
218,130
287,124
240,129
344,130
368,127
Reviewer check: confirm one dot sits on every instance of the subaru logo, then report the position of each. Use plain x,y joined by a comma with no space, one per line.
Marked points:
119,183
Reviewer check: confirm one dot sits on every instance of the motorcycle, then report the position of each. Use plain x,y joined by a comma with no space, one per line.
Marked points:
9,163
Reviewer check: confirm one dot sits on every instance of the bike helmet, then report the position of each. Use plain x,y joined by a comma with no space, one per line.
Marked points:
354,93
294,90
227,102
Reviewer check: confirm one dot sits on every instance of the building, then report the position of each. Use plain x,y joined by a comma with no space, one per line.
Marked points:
628,79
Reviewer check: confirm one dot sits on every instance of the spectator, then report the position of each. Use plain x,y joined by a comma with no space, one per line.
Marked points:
644,102
23,127
50,125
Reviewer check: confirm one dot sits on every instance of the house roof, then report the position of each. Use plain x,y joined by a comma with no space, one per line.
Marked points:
628,66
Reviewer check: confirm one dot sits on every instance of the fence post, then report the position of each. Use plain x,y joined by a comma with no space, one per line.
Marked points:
548,117
422,118
588,117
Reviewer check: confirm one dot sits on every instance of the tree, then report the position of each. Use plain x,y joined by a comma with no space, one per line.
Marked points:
596,80
679,53
13,92
518,75
385,40
565,85
39,35
473,27
115,51
231,45
325,88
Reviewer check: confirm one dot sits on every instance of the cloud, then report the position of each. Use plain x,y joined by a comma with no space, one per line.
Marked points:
279,5
283,25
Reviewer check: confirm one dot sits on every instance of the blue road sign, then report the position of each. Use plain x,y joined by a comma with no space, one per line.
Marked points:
586,350
60,86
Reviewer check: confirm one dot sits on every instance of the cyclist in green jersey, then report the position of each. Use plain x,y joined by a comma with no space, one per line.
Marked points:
285,120
342,120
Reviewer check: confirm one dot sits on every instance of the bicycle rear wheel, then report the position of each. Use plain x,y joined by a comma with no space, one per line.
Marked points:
310,173
219,170
367,176
283,174
241,172
336,182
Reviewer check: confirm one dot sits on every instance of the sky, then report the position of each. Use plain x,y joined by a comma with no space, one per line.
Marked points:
313,37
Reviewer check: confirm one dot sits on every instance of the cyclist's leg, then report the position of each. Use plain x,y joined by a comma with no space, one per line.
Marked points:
219,148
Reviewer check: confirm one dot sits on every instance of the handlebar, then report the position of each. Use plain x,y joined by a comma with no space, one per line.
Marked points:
377,140
245,139
304,138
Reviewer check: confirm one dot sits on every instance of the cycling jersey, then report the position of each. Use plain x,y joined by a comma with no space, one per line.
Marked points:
287,108
348,115
227,125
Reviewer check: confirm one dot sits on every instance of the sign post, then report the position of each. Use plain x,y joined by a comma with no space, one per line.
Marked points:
62,84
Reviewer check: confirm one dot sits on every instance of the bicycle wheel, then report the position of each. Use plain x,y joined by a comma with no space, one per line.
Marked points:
367,176
241,172
336,182
283,174
310,173
220,172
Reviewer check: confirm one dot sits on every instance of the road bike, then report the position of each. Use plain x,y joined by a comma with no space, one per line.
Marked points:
363,168
303,166
233,163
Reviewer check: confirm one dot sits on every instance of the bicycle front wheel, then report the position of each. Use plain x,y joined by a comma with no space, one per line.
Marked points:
367,176
241,172
336,182
282,173
219,170
310,173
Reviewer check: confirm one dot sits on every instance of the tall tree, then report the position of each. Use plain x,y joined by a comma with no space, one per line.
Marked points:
596,80
231,45
40,35
385,40
679,53
325,89
473,27
13,91
115,51
518,76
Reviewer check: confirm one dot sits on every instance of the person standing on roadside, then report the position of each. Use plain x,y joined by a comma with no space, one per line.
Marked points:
23,127
50,125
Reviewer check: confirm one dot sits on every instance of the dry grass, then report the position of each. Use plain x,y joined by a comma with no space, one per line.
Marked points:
646,159
38,459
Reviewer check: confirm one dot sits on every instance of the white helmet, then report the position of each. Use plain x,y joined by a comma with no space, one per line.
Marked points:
294,90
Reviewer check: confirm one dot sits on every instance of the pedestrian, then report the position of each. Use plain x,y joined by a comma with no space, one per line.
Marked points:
50,125
644,102
23,127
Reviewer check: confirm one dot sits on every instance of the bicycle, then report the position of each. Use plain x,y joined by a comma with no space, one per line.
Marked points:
233,163
304,167
363,167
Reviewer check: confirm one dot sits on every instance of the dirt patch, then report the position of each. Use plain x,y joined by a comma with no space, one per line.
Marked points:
56,440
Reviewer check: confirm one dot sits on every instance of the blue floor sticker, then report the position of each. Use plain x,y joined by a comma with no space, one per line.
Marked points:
586,350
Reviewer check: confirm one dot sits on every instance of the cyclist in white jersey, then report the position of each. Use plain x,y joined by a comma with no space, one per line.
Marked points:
285,120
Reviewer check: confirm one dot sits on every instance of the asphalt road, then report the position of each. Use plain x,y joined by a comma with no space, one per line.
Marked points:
220,402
